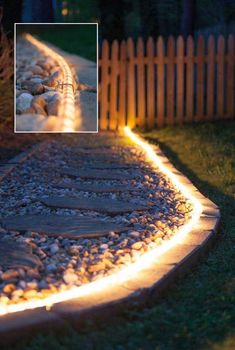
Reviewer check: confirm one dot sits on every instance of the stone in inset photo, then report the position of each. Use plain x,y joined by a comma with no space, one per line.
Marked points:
56,78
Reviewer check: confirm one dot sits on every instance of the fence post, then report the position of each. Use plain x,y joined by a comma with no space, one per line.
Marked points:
220,77
104,82
160,83
113,86
141,98
200,79
170,80
122,86
210,102
180,80
131,103
150,84
230,77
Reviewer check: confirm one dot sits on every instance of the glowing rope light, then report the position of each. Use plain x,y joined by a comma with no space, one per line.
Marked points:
144,261
67,114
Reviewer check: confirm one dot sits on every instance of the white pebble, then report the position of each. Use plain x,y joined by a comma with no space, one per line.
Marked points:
135,234
70,277
54,248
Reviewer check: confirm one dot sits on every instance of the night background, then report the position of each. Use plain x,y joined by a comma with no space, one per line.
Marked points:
198,312
123,18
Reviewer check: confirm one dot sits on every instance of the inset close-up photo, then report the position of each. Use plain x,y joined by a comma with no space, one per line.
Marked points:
56,78
120,238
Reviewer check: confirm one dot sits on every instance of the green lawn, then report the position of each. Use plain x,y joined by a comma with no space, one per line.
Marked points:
77,39
198,312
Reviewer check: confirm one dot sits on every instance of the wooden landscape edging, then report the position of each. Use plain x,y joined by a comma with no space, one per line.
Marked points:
150,284
166,82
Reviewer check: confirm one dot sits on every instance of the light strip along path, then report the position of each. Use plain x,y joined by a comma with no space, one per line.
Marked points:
68,115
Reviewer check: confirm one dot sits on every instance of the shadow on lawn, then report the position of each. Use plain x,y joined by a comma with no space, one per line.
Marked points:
224,201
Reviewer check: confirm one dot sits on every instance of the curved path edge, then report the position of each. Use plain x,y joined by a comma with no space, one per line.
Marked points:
150,284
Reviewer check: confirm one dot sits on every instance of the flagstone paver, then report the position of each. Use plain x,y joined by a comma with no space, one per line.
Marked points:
99,174
16,255
108,158
123,166
96,163
110,206
64,226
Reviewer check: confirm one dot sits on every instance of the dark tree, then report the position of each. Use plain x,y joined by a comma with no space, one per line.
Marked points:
11,14
42,11
1,10
229,10
112,19
149,17
188,17
167,14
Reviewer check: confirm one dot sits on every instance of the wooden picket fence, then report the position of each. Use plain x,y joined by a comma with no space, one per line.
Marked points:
165,83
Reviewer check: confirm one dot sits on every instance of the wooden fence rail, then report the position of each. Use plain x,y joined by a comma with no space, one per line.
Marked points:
161,83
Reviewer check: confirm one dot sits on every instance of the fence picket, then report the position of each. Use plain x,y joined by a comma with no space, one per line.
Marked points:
131,103
180,81
103,122
141,98
189,79
150,84
230,77
160,83
220,77
200,79
170,80
210,79
113,85
122,86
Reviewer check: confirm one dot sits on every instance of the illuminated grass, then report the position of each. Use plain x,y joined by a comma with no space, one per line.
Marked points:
80,41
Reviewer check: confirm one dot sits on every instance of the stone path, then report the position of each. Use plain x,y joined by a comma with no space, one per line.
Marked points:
53,269
85,229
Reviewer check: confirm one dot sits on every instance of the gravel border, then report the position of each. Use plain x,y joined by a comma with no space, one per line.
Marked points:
11,164
150,284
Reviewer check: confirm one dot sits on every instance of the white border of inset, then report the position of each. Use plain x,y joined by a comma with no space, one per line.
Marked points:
97,81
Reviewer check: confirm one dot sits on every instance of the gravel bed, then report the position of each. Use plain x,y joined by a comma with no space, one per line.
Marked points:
67,262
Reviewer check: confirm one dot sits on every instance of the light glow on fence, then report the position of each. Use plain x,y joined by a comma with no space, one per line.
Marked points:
129,272
68,115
